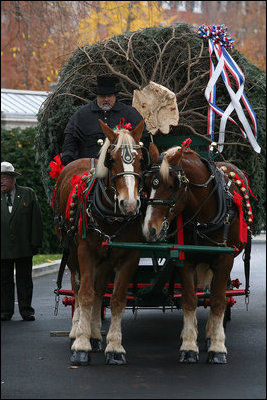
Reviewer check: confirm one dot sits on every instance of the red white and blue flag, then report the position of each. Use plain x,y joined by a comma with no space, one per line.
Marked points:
219,40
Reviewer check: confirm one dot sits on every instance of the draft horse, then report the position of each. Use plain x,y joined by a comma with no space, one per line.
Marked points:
206,195
114,211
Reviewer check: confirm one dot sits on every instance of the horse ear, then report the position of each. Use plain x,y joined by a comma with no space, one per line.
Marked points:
108,132
153,152
136,133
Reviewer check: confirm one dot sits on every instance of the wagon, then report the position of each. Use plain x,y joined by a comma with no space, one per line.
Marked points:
156,283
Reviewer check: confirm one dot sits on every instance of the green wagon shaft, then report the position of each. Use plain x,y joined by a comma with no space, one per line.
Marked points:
157,285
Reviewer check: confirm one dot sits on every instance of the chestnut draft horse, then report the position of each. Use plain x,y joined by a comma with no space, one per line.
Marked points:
182,182
113,212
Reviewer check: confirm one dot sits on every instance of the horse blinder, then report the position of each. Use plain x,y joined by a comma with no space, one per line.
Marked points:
179,178
108,160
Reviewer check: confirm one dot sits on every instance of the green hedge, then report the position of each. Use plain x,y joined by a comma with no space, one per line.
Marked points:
17,147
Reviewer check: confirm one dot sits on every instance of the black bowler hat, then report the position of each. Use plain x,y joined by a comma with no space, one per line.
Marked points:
106,85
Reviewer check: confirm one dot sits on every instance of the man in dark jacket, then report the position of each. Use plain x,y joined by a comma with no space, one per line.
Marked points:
21,235
83,131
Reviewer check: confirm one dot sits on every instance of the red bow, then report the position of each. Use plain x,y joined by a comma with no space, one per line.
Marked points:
186,142
56,167
123,125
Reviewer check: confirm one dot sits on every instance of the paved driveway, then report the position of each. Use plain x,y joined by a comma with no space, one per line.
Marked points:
36,364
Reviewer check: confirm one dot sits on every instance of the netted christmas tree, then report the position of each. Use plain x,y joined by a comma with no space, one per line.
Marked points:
177,58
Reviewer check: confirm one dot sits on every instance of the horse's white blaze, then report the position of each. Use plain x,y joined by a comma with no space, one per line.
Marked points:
130,202
190,331
130,182
215,332
148,216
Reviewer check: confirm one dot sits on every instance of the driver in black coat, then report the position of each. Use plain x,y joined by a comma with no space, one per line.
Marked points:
83,129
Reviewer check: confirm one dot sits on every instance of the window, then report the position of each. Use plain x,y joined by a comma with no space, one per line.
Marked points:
181,5
223,6
197,7
166,5
243,7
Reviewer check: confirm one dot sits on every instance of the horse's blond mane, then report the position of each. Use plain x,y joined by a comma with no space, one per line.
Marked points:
123,139
164,168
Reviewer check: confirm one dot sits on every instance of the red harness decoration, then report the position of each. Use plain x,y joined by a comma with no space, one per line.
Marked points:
186,143
123,125
56,167
83,214
180,235
242,223
250,188
76,180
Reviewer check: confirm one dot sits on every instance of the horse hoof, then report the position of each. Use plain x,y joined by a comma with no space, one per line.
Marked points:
80,358
215,357
113,358
188,356
96,345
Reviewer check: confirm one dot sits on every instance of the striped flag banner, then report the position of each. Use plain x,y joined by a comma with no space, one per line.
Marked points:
218,41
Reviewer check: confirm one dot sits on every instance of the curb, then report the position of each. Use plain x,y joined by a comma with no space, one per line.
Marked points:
45,269
51,267
259,238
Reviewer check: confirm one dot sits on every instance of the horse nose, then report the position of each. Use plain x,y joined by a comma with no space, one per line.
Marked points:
129,207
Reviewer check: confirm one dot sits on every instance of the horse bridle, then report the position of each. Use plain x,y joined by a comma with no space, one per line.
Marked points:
98,208
127,158
182,179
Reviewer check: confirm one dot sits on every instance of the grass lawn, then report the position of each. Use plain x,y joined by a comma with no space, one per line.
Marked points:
44,258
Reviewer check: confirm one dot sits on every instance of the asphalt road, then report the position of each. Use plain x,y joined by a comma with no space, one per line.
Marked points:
35,364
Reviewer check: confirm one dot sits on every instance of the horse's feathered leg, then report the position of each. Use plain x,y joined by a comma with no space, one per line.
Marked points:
102,277
82,346
188,352
73,266
115,352
215,334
